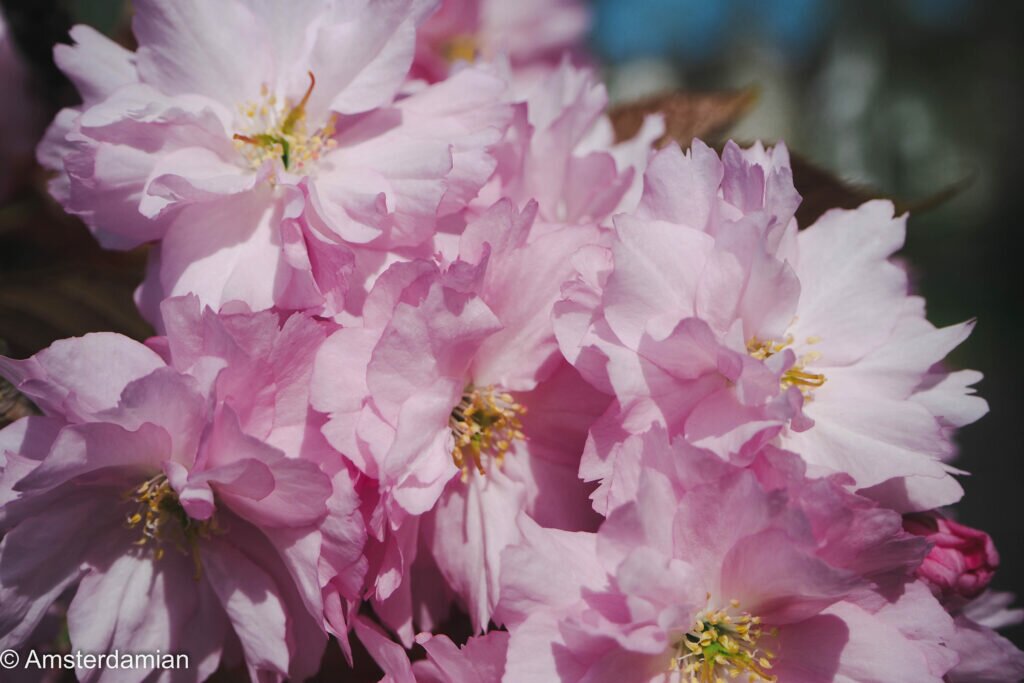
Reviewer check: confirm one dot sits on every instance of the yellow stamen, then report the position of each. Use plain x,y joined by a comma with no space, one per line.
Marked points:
721,645
485,424
460,48
162,519
298,112
797,376
272,133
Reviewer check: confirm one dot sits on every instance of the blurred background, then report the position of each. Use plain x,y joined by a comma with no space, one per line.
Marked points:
903,98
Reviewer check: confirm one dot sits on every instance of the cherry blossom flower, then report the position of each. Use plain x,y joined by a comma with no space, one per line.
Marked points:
433,339
532,34
711,315
254,140
728,573
179,488
452,397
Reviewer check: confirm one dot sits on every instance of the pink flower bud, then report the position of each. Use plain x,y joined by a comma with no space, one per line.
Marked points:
962,560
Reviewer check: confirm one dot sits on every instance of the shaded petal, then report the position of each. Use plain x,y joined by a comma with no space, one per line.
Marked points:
83,449
43,555
134,604
389,655
253,604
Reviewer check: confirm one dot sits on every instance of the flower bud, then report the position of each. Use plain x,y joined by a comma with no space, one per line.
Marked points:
962,560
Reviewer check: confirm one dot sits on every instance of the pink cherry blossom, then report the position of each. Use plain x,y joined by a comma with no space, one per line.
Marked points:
711,315
724,570
531,34
255,140
179,488
453,398
445,365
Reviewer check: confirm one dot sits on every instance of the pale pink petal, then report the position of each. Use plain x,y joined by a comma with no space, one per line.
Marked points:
73,376
682,187
522,353
219,252
95,64
364,56
191,47
472,523
654,284
843,259
548,569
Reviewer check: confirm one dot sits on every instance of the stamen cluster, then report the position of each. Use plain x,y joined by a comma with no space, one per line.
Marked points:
723,643
162,519
797,376
485,424
462,47
272,132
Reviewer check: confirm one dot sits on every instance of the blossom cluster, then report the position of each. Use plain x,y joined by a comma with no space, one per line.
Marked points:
431,341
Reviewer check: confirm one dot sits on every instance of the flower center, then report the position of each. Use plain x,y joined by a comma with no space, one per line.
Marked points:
462,47
273,132
484,424
161,519
797,376
723,643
